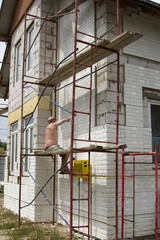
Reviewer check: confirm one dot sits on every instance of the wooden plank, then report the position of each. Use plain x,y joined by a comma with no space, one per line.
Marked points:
84,57
91,148
66,70
52,152
112,147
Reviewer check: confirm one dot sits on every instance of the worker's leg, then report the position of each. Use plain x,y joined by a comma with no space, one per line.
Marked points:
64,161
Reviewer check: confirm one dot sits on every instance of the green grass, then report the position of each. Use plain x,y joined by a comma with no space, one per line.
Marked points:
9,228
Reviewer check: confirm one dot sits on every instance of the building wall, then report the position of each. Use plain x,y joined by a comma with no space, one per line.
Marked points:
39,168
20,9
136,73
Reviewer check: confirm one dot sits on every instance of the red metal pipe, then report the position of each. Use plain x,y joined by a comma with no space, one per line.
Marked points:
117,17
87,88
90,97
156,194
117,125
122,214
94,45
133,195
140,154
87,113
47,17
45,40
56,42
89,178
117,129
21,141
54,186
72,122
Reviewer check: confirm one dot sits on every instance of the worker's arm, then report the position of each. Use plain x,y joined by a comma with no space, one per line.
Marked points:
62,121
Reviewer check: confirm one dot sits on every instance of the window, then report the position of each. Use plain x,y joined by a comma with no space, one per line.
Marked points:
18,62
155,120
28,140
30,38
14,140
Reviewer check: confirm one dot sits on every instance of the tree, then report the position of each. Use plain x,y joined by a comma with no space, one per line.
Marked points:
3,145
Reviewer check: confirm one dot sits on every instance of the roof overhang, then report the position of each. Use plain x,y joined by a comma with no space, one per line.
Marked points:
147,6
6,15
4,74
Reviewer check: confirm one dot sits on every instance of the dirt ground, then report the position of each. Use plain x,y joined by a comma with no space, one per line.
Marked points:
9,228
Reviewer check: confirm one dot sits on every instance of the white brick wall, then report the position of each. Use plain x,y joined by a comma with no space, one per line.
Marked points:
148,46
103,165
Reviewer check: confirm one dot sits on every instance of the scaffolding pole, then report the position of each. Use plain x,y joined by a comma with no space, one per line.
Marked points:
133,196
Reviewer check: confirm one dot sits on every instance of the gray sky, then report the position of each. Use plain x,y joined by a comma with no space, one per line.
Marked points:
4,121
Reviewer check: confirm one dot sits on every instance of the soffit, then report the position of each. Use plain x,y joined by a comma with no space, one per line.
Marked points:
6,15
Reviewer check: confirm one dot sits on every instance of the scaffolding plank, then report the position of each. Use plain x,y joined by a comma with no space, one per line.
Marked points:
66,70
84,149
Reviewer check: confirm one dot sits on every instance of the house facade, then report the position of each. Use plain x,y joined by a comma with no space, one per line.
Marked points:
45,45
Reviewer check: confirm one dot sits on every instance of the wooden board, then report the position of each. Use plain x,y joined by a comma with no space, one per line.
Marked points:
91,148
84,57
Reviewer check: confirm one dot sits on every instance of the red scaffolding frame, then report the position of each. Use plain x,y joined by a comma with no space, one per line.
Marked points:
24,82
76,63
134,154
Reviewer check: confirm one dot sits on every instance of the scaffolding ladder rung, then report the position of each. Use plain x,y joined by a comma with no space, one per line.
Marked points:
84,226
87,113
82,87
128,220
128,197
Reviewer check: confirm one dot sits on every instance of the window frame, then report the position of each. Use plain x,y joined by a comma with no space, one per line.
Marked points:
18,53
30,39
28,141
14,146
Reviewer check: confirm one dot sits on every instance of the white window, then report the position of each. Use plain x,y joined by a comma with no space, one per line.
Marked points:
18,62
14,140
28,140
30,38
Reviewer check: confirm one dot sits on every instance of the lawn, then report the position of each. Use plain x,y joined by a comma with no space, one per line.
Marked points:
9,228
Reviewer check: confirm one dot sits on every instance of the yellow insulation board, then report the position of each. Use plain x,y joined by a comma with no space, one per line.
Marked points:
28,108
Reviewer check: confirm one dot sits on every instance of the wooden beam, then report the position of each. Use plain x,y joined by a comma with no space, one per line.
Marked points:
3,110
4,38
84,57
92,148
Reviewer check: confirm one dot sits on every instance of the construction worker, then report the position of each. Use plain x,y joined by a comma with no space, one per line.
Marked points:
51,140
